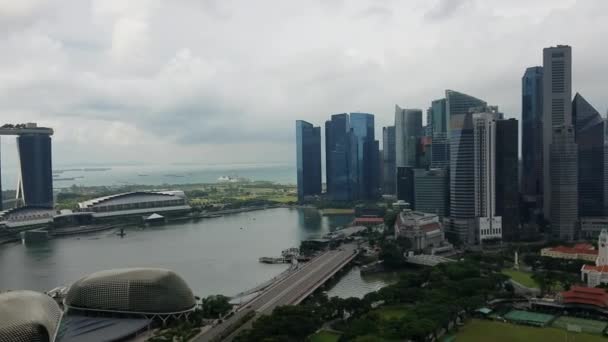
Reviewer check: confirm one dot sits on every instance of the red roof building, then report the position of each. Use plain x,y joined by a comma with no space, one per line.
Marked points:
581,251
367,221
586,296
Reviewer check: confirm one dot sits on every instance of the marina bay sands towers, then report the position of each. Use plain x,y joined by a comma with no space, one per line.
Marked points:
35,177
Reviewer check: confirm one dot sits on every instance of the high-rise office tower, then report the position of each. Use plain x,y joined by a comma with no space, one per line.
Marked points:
488,223
462,184
532,136
339,157
589,135
308,148
408,129
440,145
431,191
557,112
388,159
564,183
507,182
405,185
366,175
35,186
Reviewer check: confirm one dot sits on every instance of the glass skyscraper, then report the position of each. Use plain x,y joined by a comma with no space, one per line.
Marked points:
367,174
408,129
338,157
388,158
308,145
589,131
36,179
532,134
431,191
507,185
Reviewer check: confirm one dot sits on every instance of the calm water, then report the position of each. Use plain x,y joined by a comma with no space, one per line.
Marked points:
160,174
213,255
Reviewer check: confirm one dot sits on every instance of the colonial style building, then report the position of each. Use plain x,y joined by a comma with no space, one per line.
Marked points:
598,274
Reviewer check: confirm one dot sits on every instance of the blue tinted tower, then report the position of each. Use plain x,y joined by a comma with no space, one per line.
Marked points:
308,145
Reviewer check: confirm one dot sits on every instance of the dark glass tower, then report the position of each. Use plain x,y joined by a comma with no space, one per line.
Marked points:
532,134
339,157
36,179
366,174
308,145
589,135
507,194
388,159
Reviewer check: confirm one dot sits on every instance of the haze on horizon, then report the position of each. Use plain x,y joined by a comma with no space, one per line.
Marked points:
223,81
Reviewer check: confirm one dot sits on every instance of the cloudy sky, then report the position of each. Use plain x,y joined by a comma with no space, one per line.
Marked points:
222,81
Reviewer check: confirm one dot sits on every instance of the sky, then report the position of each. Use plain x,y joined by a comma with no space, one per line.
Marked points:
223,81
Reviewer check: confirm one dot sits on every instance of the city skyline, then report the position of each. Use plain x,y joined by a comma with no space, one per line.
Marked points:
90,85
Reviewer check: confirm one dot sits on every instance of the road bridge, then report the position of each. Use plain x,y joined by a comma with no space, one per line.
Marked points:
290,290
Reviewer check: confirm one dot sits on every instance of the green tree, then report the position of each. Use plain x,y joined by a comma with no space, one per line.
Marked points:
216,306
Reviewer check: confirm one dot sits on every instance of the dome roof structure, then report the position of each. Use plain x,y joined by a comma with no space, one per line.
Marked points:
131,290
28,316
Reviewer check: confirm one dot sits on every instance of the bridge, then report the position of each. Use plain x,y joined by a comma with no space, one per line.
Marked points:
290,290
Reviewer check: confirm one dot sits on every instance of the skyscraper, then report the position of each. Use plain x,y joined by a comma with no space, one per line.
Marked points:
388,158
440,146
532,135
507,184
408,129
462,184
589,135
564,183
366,175
308,146
405,185
338,157
557,112
36,178
488,223
431,191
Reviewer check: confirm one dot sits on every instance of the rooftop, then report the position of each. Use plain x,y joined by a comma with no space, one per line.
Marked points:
581,248
585,295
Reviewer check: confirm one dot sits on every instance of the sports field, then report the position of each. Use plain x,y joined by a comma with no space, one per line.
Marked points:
485,331
587,325
324,336
528,317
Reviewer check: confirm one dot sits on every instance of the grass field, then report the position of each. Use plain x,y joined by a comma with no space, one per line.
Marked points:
483,331
324,336
587,325
392,312
523,278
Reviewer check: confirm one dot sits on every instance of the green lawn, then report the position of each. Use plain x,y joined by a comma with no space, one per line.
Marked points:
521,277
482,331
324,336
587,325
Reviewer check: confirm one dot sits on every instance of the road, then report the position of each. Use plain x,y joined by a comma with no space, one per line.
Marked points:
290,290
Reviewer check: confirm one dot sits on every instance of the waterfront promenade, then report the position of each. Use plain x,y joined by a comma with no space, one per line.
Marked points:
287,291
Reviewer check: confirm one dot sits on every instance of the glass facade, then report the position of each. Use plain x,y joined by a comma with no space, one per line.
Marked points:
507,194
532,134
408,129
366,175
431,191
36,179
589,133
405,185
388,159
308,145
339,151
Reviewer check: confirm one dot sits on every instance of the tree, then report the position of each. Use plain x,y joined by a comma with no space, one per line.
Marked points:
216,306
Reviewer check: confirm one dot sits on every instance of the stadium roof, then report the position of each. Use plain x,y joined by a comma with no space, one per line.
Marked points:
130,197
585,295
132,290
28,316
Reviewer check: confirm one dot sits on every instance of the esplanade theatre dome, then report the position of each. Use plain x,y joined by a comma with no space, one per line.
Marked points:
131,290
28,316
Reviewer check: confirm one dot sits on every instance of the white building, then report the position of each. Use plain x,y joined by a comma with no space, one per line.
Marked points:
598,274
488,226
423,230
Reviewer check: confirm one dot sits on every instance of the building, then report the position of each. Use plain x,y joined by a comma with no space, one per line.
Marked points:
507,180
591,227
431,191
116,304
368,156
28,316
423,230
557,112
584,297
564,184
589,135
488,223
388,160
339,157
405,185
408,129
308,152
598,274
440,146
423,152
462,184
136,203
35,182
581,251
532,135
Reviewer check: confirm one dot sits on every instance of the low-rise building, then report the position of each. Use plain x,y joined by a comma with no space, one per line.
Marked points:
581,251
598,274
591,227
423,230
136,203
